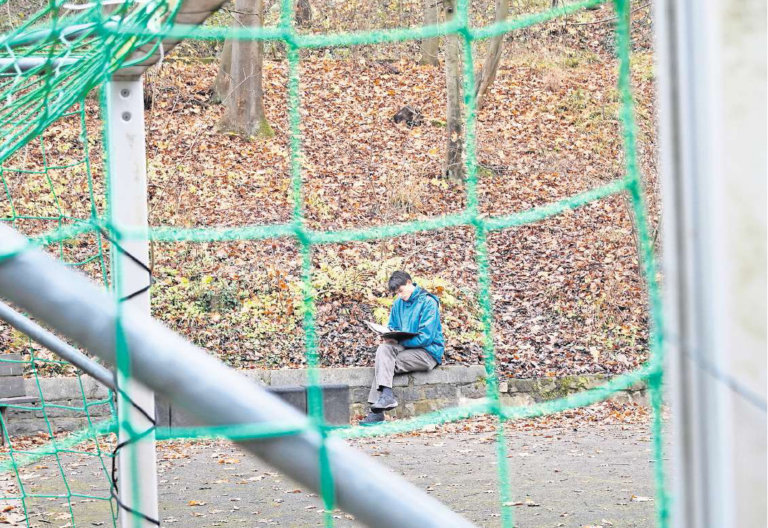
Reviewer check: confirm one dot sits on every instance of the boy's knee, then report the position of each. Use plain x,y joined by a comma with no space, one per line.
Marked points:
385,347
386,350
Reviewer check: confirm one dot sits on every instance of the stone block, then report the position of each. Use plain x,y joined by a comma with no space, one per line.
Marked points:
407,394
520,385
74,408
595,380
473,390
288,377
260,376
547,384
11,387
401,380
162,412
572,384
93,389
351,376
99,411
180,417
295,395
454,374
336,404
54,389
517,400
447,392
359,394
9,365
18,425
426,406
621,397
26,426
418,407
68,388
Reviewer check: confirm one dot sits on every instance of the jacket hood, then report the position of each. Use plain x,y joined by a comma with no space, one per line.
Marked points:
418,292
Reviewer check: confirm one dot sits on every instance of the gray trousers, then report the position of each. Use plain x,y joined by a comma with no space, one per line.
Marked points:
394,359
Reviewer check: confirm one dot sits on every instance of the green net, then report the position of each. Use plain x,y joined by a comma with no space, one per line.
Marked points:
61,194
50,64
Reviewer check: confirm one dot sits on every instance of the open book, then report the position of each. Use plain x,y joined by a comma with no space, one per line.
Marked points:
385,331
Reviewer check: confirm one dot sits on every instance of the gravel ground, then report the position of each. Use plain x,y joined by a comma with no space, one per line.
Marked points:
563,476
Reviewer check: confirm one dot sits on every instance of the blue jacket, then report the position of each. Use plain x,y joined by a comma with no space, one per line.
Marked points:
419,315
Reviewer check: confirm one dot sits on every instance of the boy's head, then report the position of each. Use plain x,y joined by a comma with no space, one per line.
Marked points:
400,284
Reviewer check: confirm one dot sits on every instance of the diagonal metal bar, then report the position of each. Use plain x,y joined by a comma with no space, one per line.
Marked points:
43,64
66,352
209,390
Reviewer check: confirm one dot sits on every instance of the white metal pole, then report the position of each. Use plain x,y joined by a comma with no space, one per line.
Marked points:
137,470
712,90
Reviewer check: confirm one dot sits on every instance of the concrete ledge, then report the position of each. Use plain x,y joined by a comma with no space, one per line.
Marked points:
446,386
421,392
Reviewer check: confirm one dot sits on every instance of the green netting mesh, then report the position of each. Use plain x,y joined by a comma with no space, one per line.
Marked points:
66,169
50,64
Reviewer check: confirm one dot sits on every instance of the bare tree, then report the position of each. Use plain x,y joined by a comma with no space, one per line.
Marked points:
303,12
222,83
491,64
430,47
244,104
454,165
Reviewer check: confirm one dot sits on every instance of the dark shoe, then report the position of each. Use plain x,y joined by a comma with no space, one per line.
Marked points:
373,418
385,402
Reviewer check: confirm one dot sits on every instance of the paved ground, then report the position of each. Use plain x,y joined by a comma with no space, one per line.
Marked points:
595,475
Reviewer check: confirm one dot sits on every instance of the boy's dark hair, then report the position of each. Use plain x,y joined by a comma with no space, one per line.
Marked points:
398,278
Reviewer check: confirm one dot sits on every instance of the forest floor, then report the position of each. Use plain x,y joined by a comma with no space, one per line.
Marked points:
568,297
567,293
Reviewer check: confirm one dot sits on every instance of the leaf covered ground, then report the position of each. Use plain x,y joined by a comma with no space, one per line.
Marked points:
567,294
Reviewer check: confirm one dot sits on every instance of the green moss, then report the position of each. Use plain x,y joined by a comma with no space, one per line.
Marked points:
484,172
642,66
265,130
553,388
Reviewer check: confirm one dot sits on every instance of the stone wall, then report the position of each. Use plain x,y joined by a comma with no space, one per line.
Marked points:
417,393
446,386
66,401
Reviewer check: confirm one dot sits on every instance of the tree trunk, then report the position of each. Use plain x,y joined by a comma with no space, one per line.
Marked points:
223,78
303,12
430,47
244,111
454,166
491,65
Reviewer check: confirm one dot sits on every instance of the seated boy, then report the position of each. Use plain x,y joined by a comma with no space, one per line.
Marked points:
416,311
